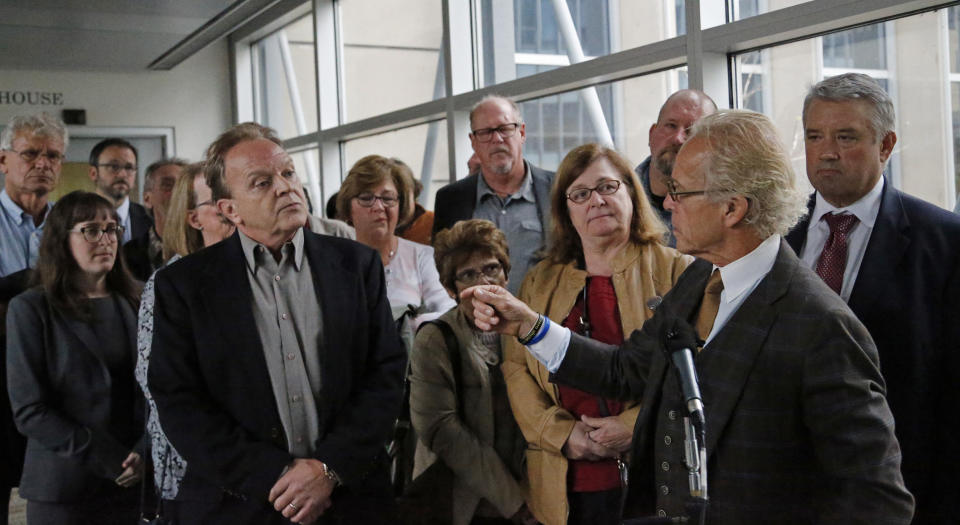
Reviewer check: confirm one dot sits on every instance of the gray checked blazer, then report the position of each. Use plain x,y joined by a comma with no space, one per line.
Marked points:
798,427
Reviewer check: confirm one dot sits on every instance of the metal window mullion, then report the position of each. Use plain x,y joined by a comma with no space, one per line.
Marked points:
329,87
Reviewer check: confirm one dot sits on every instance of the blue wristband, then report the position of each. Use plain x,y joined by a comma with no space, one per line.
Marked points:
542,333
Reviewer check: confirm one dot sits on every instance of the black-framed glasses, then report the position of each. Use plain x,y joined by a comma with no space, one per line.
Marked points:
675,194
505,131
30,155
606,187
471,276
93,234
367,199
115,168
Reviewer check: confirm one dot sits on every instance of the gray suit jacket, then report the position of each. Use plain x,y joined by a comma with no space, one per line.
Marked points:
798,428
61,399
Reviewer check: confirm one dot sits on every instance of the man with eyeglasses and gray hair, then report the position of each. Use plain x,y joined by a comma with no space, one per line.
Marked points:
506,190
113,168
31,156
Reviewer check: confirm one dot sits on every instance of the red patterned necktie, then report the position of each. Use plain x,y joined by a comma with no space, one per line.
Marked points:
833,259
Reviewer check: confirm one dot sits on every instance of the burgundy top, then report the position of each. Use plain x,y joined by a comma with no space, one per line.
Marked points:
604,319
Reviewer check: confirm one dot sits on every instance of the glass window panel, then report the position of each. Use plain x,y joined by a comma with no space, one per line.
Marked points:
558,123
920,162
392,55
953,17
423,148
747,8
307,165
287,79
533,25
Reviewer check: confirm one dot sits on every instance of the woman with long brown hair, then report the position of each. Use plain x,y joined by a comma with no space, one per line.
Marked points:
70,358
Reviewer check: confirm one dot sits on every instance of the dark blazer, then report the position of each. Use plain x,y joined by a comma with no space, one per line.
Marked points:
455,201
12,443
209,378
137,256
60,393
798,430
907,294
140,221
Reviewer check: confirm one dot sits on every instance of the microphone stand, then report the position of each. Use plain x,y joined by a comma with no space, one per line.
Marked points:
677,347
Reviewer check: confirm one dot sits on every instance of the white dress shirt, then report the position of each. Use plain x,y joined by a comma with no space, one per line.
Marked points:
123,210
866,209
739,278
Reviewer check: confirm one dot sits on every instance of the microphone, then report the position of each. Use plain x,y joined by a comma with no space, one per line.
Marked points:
678,341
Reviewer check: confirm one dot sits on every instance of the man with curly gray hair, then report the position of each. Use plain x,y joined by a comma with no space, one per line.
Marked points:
797,427
31,156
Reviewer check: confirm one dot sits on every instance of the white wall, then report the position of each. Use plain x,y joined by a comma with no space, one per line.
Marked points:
193,98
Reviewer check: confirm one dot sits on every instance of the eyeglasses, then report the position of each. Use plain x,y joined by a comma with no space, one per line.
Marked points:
367,199
582,195
30,155
505,131
115,168
93,234
675,194
471,276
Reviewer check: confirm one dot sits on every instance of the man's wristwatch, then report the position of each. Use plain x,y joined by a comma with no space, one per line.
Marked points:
330,474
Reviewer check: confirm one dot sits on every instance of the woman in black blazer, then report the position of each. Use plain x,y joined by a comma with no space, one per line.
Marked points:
70,358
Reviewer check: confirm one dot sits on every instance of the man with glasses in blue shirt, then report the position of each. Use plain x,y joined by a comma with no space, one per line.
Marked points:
506,190
31,156
113,168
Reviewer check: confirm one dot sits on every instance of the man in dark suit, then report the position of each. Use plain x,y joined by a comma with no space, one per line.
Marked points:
276,368
797,427
113,169
507,190
144,254
895,260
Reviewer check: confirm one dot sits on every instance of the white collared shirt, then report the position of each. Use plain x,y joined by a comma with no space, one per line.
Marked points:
866,209
123,210
739,278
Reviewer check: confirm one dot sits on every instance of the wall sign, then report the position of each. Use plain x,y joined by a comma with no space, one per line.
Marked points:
30,98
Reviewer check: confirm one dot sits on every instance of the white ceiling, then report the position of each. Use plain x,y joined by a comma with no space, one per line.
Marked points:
96,35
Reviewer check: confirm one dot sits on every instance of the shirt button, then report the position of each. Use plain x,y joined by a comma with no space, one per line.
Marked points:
667,440
276,277
300,440
284,317
295,398
503,212
662,513
672,415
665,466
665,490
291,356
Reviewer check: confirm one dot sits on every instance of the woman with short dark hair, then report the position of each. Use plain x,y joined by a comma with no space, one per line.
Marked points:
70,359
466,421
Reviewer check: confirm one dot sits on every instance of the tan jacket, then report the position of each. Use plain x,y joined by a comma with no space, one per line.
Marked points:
464,443
639,273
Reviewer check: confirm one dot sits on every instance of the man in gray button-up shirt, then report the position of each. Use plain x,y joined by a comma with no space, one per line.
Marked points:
276,367
508,191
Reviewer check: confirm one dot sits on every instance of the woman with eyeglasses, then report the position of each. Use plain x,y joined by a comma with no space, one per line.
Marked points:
372,198
606,267
461,414
193,223
70,357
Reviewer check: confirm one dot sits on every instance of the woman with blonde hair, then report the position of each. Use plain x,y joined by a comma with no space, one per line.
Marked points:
193,223
606,262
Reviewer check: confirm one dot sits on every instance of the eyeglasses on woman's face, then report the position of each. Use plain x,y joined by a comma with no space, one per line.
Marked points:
367,199
472,276
92,233
606,187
